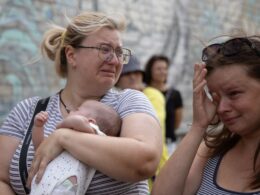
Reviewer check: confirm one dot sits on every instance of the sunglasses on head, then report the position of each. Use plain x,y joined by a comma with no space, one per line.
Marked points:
229,48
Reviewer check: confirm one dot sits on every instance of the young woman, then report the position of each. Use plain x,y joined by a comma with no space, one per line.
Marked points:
227,161
156,74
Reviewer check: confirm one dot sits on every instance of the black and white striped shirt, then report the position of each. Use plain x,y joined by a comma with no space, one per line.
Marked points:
124,102
209,184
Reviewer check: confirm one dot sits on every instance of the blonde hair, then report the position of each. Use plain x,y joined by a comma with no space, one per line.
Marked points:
57,38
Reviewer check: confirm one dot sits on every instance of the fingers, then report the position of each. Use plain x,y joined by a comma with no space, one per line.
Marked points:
41,118
199,80
32,172
44,116
37,169
41,171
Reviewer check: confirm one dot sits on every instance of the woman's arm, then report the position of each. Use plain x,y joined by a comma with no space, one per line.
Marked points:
132,157
182,173
8,146
178,117
177,176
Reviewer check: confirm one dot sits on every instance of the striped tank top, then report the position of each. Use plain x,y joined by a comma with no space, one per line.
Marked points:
209,184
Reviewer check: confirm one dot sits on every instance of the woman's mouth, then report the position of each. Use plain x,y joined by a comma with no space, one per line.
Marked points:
229,120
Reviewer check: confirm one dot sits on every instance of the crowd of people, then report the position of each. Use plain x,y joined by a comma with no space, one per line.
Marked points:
112,127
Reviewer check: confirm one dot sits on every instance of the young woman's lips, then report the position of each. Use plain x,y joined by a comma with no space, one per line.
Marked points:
229,120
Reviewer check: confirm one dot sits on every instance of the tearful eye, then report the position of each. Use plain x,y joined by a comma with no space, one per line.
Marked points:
233,93
105,49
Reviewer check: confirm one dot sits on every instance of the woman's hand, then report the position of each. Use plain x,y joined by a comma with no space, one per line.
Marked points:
204,109
47,151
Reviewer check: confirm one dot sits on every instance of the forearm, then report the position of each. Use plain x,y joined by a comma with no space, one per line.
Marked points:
178,118
173,176
8,146
124,159
6,189
37,136
77,123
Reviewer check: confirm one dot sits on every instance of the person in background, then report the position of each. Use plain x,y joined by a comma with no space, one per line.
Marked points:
220,154
156,73
132,77
89,55
66,175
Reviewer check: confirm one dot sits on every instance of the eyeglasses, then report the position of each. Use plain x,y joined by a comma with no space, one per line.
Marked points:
106,52
229,48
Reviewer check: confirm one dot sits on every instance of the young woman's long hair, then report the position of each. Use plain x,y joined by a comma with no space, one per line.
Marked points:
248,56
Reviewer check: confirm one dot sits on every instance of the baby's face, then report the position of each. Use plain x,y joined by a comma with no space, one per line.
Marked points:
84,112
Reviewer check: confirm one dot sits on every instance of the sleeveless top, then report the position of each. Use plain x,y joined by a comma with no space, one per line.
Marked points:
209,180
124,102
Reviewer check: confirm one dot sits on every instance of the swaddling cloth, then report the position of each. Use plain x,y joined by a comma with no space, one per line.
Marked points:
56,181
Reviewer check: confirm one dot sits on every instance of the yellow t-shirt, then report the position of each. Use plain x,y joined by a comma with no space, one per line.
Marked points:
158,101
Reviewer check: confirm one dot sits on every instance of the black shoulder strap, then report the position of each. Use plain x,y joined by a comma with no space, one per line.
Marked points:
41,106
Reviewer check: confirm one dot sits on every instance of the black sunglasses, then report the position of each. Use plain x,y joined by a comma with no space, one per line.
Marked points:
230,48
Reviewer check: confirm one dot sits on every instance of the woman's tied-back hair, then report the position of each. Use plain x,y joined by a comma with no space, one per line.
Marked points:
249,59
56,39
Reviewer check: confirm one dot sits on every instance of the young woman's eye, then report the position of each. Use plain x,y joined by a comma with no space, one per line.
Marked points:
233,93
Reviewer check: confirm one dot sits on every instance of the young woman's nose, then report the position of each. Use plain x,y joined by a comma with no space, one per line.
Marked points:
223,105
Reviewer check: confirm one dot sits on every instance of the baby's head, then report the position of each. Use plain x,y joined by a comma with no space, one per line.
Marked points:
106,117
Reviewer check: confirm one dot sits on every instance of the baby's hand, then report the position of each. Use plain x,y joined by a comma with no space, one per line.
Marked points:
41,118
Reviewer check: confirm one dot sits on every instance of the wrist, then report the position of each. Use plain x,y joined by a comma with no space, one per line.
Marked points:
62,137
198,128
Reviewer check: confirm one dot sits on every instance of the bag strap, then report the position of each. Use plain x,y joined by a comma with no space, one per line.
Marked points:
41,106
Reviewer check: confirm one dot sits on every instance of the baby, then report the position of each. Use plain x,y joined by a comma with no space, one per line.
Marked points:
66,175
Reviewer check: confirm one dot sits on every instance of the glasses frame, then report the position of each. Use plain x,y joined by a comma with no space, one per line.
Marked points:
126,53
216,48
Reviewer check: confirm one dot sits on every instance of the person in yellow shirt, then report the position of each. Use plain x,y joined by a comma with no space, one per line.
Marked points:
132,77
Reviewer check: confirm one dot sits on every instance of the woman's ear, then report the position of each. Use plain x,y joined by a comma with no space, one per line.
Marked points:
70,55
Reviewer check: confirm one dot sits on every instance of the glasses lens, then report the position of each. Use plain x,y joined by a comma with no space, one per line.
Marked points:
230,48
126,55
106,52
120,54
210,52
105,49
233,46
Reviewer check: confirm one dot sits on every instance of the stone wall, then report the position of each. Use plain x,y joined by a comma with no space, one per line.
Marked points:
177,28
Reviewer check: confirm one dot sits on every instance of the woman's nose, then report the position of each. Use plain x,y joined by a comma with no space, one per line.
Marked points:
112,58
223,105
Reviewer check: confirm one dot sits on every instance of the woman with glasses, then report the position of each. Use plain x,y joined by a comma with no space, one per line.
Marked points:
89,55
221,152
